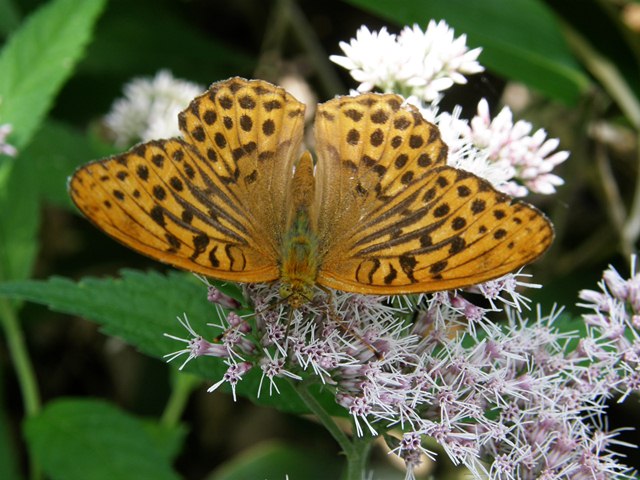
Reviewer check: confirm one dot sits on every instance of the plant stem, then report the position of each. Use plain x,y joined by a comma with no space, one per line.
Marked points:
23,368
288,17
614,203
183,385
304,32
607,74
356,450
20,358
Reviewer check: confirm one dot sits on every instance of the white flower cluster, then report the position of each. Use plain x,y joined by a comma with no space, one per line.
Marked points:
506,153
421,66
508,402
5,148
413,62
149,109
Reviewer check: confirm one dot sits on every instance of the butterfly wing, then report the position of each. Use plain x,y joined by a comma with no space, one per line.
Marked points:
393,218
213,202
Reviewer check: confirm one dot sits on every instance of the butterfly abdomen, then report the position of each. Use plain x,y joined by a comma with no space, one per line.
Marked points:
299,267
299,262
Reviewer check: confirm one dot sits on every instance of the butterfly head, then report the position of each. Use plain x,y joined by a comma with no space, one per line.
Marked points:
296,294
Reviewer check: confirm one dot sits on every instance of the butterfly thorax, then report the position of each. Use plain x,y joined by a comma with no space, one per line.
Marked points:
299,267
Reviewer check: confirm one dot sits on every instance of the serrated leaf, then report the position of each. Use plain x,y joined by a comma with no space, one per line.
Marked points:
520,39
137,307
141,307
80,439
37,60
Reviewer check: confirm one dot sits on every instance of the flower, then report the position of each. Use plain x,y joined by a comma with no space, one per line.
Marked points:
510,144
509,401
613,327
369,57
415,62
6,148
420,65
500,150
149,109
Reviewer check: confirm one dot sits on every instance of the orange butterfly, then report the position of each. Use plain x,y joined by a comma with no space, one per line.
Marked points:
380,213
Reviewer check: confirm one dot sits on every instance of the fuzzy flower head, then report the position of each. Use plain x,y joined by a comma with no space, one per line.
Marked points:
149,108
508,401
415,62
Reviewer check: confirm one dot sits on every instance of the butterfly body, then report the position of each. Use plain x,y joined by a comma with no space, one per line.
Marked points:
299,267
380,212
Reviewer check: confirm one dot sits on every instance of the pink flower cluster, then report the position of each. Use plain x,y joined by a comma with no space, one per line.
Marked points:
509,401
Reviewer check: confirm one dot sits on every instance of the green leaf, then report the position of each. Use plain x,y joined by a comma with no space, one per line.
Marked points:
276,461
53,154
520,39
37,60
138,307
125,47
141,307
9,17
80,439
19,220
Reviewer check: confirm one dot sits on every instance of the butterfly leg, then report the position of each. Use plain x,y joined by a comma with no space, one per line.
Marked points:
344,326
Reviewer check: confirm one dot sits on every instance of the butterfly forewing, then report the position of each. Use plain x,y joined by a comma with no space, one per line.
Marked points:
250,132
366,145
417,225
193,203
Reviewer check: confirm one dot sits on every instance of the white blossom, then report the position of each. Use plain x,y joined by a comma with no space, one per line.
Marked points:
530,157
499,150
149,109
415,62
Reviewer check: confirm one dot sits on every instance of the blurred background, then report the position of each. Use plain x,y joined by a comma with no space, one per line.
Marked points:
570,67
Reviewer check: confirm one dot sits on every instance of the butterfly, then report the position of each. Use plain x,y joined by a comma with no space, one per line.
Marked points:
378,212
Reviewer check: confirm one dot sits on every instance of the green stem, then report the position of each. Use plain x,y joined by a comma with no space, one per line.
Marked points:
357,464
23,367
632,226
183,385
20,358
288,17
356,451
613,202
305,34
607,74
